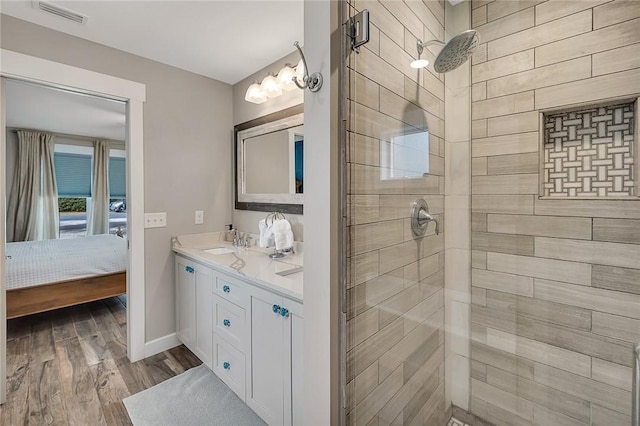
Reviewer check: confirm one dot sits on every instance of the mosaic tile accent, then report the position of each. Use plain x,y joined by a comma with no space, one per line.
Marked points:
590,152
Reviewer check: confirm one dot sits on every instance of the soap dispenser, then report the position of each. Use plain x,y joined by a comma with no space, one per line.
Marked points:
231,233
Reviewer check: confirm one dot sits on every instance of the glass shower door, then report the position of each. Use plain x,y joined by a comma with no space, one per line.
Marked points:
395,278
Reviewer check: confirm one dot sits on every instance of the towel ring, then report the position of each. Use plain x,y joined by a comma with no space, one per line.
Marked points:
273,217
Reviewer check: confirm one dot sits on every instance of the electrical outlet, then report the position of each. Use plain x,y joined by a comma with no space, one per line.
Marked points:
155,220
199,217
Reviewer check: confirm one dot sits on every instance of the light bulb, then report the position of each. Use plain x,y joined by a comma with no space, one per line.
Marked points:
300,72
270,87
419,63
285,78
254,94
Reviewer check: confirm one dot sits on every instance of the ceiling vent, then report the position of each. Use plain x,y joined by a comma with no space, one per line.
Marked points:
60,11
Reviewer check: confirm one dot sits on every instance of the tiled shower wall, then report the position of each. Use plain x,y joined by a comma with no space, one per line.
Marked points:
395,325
555,283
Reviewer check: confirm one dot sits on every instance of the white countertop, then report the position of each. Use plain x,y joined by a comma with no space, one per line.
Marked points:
252,264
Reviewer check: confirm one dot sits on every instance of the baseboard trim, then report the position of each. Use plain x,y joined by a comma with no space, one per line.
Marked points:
161,344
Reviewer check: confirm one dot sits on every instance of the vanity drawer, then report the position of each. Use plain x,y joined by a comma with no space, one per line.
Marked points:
232,290
229,321
229,365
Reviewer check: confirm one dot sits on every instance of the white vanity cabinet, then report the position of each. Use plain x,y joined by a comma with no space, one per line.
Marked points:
194,287
254,339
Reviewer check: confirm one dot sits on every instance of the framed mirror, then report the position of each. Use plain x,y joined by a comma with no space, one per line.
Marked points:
269,155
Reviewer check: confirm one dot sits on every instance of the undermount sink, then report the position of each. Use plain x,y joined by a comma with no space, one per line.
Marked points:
290,273
219,250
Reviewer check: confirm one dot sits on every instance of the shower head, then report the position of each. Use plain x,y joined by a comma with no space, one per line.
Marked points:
452,55
457,51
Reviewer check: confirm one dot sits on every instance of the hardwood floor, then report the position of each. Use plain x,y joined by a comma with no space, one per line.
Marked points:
70,366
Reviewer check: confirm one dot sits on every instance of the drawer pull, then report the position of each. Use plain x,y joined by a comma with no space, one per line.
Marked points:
189,269
226,289
226,365
226,323
276,309
284,312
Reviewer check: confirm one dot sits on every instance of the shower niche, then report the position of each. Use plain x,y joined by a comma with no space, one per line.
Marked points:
590,152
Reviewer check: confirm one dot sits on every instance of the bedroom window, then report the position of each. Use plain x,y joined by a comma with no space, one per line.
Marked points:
73,167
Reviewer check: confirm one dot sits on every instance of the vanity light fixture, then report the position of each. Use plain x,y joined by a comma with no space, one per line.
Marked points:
288,79
254,94
270,87
300,70
285,78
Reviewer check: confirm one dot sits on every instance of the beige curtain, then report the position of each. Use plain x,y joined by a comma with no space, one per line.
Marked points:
98,216
32,213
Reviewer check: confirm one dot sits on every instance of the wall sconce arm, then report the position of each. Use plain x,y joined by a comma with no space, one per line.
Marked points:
314,81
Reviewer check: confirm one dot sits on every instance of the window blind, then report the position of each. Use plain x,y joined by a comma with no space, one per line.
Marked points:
73,174
117,177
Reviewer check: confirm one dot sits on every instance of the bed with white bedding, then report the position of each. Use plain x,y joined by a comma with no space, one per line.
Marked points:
49,274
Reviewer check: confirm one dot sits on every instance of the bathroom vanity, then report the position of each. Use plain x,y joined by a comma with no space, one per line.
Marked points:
241,313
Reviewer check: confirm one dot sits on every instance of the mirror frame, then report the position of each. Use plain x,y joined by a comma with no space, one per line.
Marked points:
284,203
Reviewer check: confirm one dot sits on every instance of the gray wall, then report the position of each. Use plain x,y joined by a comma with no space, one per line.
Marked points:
244,111
187,162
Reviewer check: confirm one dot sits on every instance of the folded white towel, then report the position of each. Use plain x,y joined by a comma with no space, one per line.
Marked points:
282,234
266,235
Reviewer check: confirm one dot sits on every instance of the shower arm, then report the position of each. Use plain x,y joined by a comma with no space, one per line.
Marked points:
422,44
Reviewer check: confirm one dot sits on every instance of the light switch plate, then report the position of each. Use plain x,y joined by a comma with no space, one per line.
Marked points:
199,217
155,220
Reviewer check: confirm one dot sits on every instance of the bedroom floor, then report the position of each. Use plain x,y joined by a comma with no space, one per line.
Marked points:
70,367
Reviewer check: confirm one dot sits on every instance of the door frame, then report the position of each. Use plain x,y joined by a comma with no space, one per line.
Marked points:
30,68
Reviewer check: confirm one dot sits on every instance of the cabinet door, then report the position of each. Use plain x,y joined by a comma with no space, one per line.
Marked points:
185,302
294,342
203,300
266,377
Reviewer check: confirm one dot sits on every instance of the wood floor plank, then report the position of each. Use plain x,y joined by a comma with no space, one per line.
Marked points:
114,334
185,356
62,327
46,400
50,379
112,389
80,312
16,410
42,344
135,375
116,414
158,368
118,308
92,343
19,327
117,347
83,404
108,326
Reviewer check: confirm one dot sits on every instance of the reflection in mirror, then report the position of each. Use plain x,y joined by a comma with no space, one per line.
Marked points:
273,162
269,162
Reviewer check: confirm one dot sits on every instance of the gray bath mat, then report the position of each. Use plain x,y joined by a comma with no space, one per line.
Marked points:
194,398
